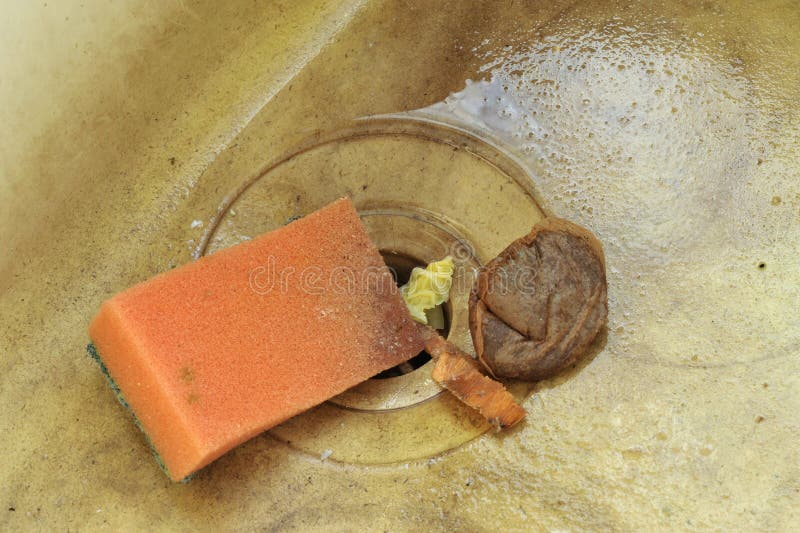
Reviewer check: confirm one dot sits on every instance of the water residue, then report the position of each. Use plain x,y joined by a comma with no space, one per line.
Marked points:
652,136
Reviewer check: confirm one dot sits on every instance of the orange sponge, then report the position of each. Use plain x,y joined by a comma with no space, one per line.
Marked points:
213,353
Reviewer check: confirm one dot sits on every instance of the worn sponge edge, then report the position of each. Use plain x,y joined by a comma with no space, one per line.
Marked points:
92,351
138,383
206,362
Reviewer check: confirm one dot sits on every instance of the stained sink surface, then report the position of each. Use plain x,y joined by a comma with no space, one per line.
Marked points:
670,129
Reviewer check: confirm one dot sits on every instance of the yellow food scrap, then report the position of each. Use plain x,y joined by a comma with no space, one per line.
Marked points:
428,287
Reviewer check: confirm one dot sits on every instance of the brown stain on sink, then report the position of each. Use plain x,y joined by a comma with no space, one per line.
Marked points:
107,161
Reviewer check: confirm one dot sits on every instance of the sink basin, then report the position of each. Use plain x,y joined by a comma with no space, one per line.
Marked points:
138,136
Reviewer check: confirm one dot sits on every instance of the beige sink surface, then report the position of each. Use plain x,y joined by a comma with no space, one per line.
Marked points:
671,130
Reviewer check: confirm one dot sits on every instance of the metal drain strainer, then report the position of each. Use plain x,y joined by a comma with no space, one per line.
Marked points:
423,190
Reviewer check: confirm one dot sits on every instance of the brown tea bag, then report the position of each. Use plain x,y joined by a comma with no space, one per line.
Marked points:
536,307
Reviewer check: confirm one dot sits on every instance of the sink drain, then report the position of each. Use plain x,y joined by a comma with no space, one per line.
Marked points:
401,266
423,191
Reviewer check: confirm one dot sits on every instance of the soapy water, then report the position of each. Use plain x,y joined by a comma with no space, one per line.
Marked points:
641,136
650,139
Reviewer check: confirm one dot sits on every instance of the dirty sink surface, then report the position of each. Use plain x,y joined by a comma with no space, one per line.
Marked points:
670,129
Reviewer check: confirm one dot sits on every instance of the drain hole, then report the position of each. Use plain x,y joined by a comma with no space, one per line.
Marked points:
401,266
405,368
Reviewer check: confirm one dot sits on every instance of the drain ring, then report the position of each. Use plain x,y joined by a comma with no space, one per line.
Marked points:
423,190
